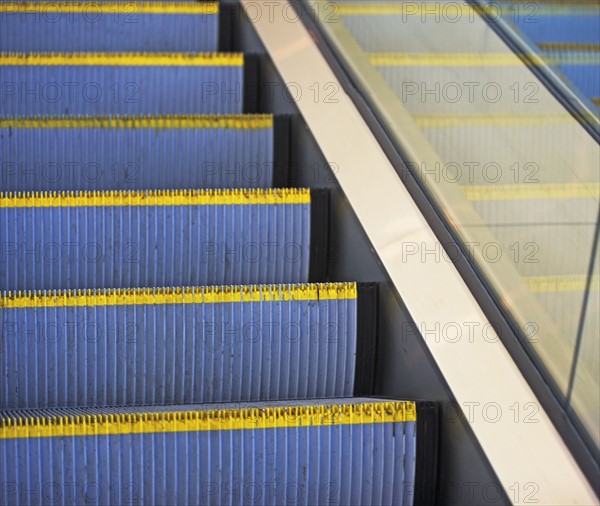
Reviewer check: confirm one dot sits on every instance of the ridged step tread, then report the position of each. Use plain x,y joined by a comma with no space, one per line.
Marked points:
121,83
109,26
70,153
185,345
134,239
343,451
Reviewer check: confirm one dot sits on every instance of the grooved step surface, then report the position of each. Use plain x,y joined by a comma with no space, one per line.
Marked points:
307,453
139,239
160,346
121,83
136,153
109,26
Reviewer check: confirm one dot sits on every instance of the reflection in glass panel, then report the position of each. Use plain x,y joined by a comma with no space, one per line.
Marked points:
566,35
585,398
514,173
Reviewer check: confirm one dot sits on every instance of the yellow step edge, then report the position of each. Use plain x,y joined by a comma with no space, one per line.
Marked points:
495,120
234,121
183,295
453,59
123,8
123,59
567,46
552,57
557,284
566,58
214,420
531,191
155,198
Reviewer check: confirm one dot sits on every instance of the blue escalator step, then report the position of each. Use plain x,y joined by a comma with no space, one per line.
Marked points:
120,83
181,345
136,153
155,238
110,26
339,452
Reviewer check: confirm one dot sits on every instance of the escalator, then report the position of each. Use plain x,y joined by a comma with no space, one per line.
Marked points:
171,329
233,266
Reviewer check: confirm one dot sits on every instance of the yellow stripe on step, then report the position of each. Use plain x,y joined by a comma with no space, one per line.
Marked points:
60,424
233,121
184,295
495,120
568,46
533,191
589,57
448,60
123,59
556,284
114,8
155,198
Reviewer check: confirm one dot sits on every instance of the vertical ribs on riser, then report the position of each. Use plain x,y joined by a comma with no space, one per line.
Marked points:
121,83
348,451
182,346
161,238
109,26
136,153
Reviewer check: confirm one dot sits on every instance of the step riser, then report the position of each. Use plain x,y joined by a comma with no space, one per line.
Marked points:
176,353
362,454
47,248
106,89
49,159
314,465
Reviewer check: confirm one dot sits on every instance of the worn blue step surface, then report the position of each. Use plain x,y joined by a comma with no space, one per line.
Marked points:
120,83
136,153
160,238
115,26
177,346
342,452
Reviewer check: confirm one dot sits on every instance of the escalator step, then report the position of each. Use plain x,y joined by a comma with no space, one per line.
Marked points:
110,26
178,346
53,241
347,451
120,83
136,153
